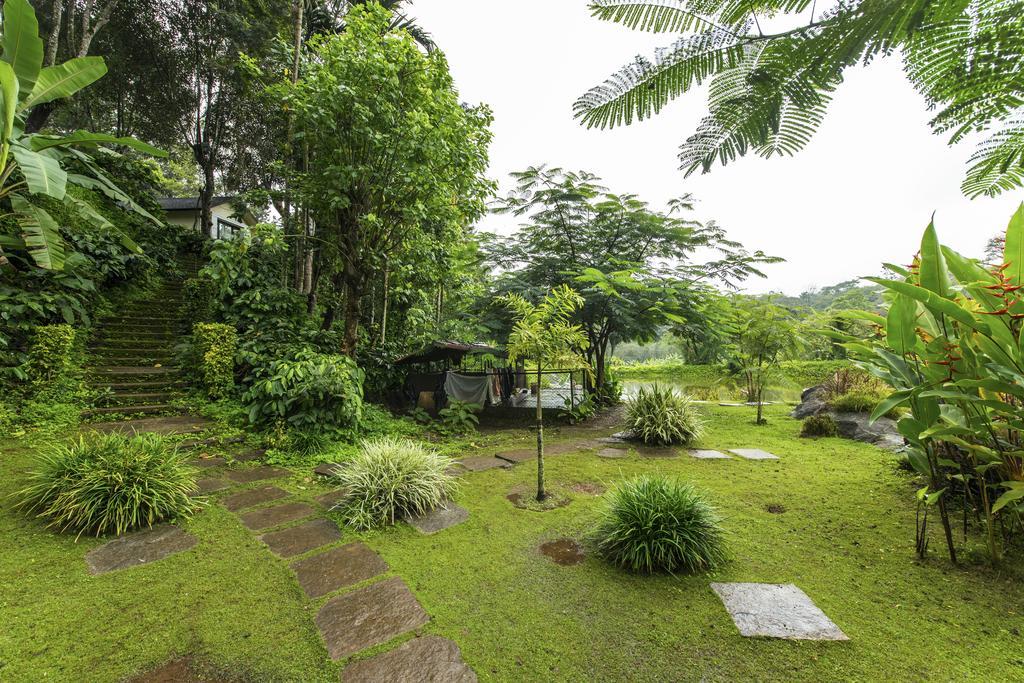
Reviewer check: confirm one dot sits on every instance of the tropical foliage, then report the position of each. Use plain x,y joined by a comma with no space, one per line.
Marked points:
950,345
634,266
544,335
653,523
36,169
768,91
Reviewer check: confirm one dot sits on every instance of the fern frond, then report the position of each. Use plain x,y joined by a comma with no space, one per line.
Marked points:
643,88
998,163
657,16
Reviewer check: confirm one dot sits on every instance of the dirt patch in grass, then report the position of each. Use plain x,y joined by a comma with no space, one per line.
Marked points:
591,488
563,551
526,498
776,508
186,669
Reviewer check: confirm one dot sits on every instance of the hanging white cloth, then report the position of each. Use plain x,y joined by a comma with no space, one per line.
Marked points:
467,388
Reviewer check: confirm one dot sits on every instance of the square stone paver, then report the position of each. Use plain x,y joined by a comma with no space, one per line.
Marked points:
250,474
369,616
429,658
203,463
709,455
246,499
300,539
753,454
327,469
211,484
332,498
252,455
613,453
139,547
264,518
338,568
519,455
440,518
771,610
482,462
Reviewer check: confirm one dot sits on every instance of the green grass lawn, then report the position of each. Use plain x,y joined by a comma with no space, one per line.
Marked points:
846,539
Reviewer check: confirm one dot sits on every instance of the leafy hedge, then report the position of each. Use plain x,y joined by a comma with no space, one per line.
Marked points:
310,391
216,344
50,354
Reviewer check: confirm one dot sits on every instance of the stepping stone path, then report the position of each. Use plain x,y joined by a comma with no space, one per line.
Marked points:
327,469
140,547
338,568
247,499
439,519
178,424
265,518
369,616
251,474
297,540
210,485
709,455
332,498
203,463
753,454
361,618
613,453
429,658
769,610
481,463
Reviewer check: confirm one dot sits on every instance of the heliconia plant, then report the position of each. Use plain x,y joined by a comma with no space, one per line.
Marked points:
951,345
34,165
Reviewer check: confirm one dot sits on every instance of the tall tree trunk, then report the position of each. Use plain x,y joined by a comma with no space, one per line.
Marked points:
541,493
384,306
350,340
206,197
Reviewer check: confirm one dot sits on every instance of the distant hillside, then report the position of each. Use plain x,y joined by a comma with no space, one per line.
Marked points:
849,294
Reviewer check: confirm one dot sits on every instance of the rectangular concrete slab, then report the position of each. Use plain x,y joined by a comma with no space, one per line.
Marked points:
771,610
338,568
708,455
264,518
211,484
440,518
753,454
248,475
296,540
137,548
428,658
370,616
481,463
247,499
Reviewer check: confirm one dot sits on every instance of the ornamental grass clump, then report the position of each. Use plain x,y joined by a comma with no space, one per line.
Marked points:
110,484
659,416
657,524
390,478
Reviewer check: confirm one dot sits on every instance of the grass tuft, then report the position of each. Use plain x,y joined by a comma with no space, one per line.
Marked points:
654,524
659,416
110,483
389,478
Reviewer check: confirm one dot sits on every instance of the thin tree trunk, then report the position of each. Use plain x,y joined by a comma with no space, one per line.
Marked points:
350,339
384,306
541,493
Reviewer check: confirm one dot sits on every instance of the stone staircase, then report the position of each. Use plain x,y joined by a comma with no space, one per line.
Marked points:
132,356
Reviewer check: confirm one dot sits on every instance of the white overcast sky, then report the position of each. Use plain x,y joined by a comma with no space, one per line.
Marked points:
861,193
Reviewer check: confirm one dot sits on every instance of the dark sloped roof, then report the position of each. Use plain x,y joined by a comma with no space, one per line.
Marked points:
190,203
446,348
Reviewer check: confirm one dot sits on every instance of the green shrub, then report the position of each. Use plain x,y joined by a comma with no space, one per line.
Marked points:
110,483
819,425
389,478
50,354
458,418
662,417
216,345
311,392
653,523
856,402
